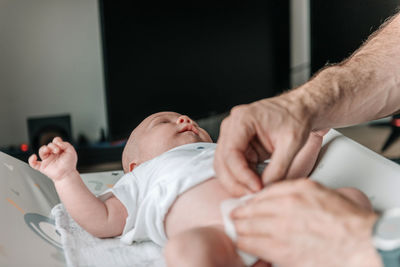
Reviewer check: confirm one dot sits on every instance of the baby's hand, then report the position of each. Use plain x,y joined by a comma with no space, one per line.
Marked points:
59,158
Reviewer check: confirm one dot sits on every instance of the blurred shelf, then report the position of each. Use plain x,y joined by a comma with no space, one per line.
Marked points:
91,158
373,137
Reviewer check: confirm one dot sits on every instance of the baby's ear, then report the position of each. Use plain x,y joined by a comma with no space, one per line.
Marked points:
132,165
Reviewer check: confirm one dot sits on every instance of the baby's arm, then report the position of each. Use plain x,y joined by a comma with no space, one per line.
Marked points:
101,219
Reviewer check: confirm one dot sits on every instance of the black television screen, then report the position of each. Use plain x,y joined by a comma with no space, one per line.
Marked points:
195,61
339,27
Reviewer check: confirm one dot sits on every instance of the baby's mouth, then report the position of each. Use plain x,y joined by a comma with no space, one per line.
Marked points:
190,128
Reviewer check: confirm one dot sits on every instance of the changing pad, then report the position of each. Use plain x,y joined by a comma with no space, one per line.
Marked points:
28,236
343,162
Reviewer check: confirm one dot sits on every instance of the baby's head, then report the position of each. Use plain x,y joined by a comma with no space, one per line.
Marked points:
159,133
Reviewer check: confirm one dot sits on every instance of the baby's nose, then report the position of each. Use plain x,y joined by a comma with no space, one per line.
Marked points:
184,119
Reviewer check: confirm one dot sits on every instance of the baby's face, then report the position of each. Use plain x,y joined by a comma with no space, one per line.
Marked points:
163,131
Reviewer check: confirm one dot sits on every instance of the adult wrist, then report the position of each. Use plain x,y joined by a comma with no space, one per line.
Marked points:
324,97
364,253
300,104
386,237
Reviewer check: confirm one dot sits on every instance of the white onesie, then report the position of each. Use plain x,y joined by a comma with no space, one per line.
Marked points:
151,188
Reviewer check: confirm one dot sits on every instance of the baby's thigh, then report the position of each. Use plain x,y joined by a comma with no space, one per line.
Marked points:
197,207
356,196
202,246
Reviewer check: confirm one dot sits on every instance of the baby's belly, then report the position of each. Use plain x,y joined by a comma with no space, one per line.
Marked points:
199,206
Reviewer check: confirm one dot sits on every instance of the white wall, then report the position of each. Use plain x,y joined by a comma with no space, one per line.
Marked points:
50,64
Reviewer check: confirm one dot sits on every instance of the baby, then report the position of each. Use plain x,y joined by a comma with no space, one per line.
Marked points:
169,192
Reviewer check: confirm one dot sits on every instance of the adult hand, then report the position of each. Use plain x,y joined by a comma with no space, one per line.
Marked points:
261,263
276,127
301,223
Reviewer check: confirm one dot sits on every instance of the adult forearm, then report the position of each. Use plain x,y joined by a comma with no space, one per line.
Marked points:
366,86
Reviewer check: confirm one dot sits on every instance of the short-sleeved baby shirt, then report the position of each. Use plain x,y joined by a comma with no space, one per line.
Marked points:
151,188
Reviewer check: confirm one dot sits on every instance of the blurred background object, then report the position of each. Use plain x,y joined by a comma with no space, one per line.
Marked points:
42,131
108,65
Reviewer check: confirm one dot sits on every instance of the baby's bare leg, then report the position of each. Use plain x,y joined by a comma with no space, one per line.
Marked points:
356,196
202,246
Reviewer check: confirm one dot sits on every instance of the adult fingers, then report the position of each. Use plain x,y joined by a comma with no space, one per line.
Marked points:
256,226
281,159
261,263
321,132
251,155
230,163
253,209
289,187
261,153
232,185
261,246
240,152
227,179
305,159
242,172
264,201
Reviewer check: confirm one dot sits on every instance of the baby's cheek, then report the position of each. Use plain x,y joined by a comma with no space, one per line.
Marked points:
150,149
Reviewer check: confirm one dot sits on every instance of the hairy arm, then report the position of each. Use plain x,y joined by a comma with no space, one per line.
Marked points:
366,86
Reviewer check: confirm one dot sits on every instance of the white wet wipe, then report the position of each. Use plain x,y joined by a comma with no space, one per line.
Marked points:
227,207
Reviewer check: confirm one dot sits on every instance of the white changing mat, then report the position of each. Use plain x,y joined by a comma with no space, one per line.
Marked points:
343,162
83,249
28,236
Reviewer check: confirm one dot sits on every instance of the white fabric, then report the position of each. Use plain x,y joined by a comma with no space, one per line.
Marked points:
226,208
150,189
83,249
